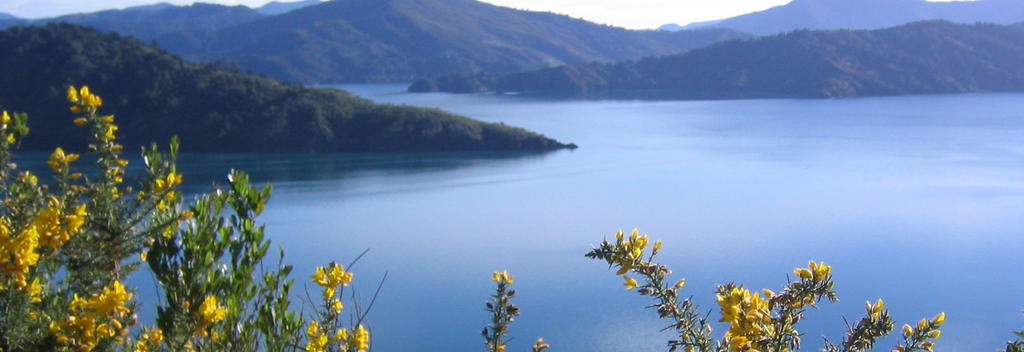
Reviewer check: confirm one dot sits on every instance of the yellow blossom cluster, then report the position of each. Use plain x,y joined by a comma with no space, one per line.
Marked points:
632,249
149,338
59,160
875,309
91,320
168,182
502,277
48,231
210,311
916,338
5,119
814,271
330,278
83,99
319,340
749,317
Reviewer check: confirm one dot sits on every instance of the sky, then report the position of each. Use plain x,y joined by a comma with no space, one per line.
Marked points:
636,14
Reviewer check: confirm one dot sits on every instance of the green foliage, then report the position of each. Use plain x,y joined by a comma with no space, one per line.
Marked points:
215,109
918,58
67,245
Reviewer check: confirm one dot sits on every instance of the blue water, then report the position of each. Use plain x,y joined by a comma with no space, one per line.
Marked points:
918,200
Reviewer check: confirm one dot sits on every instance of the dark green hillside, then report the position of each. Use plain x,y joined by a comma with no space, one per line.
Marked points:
400,40
919,58
156,95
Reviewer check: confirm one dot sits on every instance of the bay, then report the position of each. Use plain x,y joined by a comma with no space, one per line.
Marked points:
918,200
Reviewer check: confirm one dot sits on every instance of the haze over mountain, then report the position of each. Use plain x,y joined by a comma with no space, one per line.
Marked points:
156,95
149,22
918,58
279,7
865,14
400,40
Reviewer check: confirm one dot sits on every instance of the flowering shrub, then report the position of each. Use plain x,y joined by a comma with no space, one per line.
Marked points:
66,246
758,321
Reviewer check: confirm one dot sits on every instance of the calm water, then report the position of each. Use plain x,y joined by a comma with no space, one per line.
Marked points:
919,200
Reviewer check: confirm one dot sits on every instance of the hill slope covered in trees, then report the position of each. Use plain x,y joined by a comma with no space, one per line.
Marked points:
156,95
401,40
919,58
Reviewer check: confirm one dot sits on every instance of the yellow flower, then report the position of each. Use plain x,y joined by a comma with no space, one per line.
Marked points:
154,336
630,283
874,310
819,271
35,290
336,306
81,121
680,283
803,273
935,334
59,160
939,319
361,340
657,245
211,311
331,276
72,95
502,277
341,335
907,330
313,330
5,118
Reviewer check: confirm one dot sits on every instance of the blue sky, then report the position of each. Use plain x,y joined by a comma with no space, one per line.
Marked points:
624,13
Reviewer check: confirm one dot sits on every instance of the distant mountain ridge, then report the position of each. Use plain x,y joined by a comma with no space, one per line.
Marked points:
311,41
213,109
279,7
400,40
152,21
919,58
865,14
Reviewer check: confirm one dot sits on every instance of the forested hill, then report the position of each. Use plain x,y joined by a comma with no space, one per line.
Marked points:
401,40
156,95
918,58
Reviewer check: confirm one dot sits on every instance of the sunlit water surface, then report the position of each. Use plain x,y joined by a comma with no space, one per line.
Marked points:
919,200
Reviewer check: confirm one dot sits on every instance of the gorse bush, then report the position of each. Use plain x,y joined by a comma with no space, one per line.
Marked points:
68,243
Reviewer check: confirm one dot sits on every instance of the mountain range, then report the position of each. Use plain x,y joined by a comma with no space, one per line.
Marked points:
400,40
214,109
918,58
863,14
383,40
